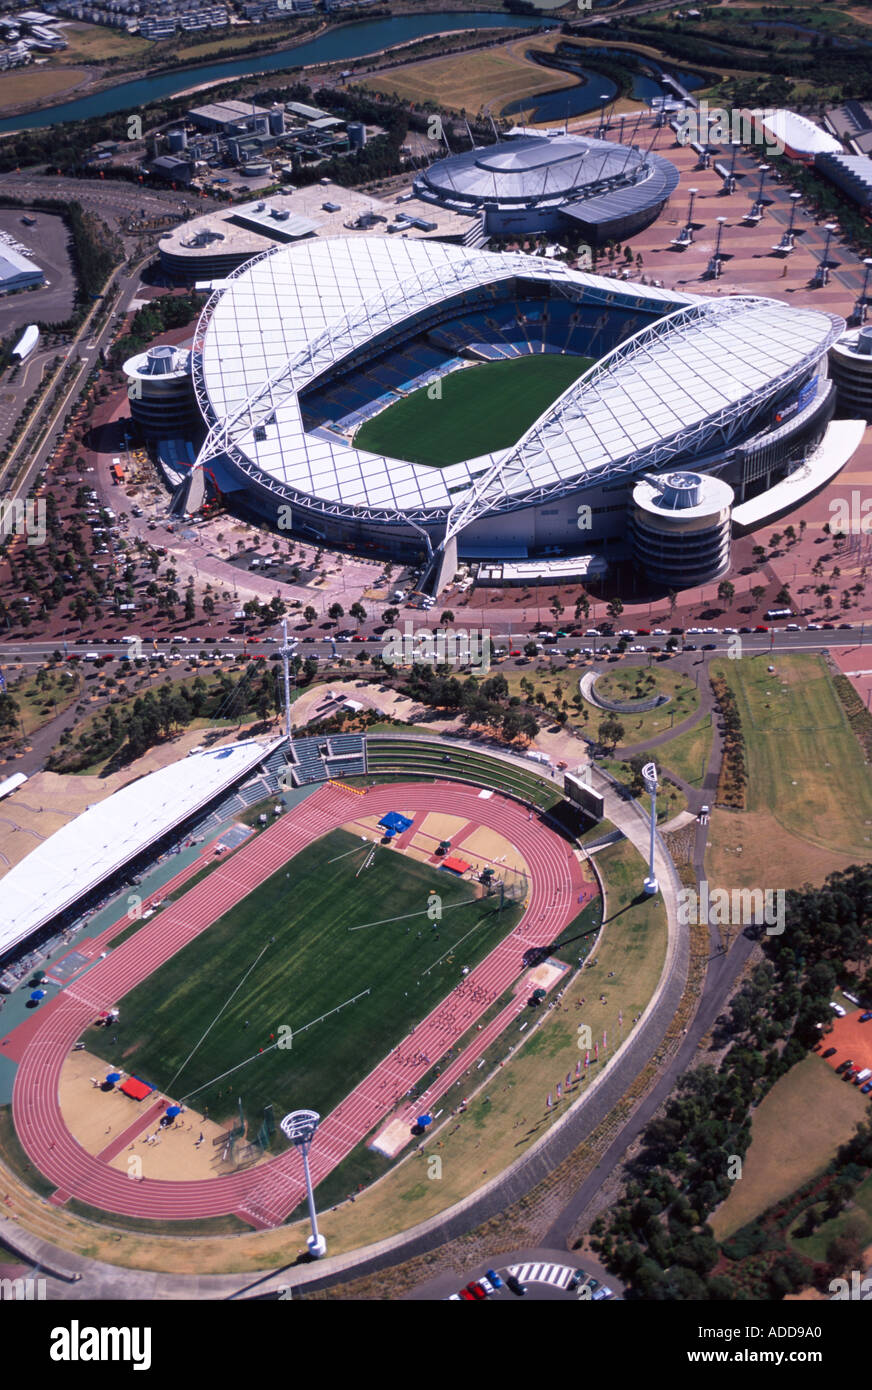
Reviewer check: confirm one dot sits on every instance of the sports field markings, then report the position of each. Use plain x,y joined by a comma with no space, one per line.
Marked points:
264,1051
218,1015
406,915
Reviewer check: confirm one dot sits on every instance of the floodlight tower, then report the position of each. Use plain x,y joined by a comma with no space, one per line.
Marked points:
822,274
787,242
730,181
286,652
603,128
860,307
649,777
714,265
757,209
688,229
299,1127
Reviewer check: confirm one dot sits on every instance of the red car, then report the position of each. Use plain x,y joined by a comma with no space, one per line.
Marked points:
358,638
476,1290
761,627
467,1296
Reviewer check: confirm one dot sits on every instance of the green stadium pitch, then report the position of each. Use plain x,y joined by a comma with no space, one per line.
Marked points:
326,966
480,409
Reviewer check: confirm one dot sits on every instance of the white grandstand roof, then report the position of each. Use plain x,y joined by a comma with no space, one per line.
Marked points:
798,132
283,320
105,837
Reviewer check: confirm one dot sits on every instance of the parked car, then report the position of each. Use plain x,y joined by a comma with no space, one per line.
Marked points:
830,1052
466,1296
476,1290
604,1292
837,1010
514,1283
843,1066
864,1018
495,1278
485,1283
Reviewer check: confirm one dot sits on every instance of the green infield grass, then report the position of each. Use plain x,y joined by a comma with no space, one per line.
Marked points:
321,932
480,409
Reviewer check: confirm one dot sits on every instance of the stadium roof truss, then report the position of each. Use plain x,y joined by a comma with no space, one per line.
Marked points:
687,381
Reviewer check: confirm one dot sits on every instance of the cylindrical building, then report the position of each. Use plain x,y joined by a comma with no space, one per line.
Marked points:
681,528
356,132
851,370
161,393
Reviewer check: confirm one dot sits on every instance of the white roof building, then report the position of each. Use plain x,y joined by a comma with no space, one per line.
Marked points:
76,859
796,133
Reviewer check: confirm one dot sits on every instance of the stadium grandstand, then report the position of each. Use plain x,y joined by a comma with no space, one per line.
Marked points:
316,368
92,857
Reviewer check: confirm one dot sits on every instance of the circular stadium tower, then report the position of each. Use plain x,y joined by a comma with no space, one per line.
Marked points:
851,370
161,397
534,184
681,528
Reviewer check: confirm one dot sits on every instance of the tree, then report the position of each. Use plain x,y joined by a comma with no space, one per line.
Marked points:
726,591
390,616
447,616
614,608
610,733
336,611
190,609
357,612
530,649
757,593
309,614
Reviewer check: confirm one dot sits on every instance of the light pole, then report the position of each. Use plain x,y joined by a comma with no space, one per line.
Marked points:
688,230
649,777
822,274
757,209
714,265
730,181
860,306
787,244
299,1127
601,133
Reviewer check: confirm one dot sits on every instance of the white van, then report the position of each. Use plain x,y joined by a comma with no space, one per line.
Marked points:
92,656
862,1076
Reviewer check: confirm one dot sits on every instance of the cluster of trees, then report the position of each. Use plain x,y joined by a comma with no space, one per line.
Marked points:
656,1237
124,732
734,775
158,316
484,703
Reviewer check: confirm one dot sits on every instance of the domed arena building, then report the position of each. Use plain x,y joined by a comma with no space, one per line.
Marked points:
531,184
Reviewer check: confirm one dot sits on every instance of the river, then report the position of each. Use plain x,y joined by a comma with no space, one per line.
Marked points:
348,41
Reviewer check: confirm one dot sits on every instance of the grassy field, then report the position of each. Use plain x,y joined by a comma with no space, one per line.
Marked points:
28,85
95,43
294,935
809,790
487,80
481,408
498,1129
688,754
639,682
795,1132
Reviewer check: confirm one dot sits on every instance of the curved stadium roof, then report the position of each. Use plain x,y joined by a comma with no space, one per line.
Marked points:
284,320
78,857
532,170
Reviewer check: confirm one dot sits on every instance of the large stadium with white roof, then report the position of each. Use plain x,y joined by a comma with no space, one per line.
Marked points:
427,401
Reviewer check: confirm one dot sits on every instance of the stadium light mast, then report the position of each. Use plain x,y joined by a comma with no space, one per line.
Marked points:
299,1127
757,209
730,181
649,777
286,653
787,242
714,265
603,128
822,274
860,306
689,225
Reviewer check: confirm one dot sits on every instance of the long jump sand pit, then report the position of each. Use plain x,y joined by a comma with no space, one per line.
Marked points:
488,849
97,1119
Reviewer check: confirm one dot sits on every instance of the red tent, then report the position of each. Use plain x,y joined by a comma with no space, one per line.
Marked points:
136,1089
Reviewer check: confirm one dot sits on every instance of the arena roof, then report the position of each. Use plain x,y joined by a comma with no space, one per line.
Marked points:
281,321
537,169
77,858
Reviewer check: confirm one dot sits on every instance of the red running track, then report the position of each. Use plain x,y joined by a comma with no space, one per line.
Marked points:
265,1195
